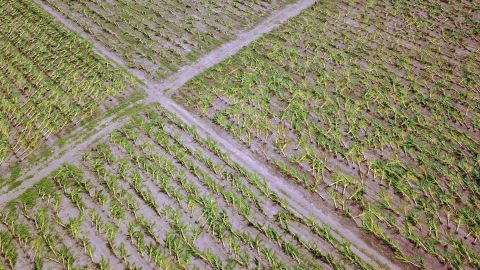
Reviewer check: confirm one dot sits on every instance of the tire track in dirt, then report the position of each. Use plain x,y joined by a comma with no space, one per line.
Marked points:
161,91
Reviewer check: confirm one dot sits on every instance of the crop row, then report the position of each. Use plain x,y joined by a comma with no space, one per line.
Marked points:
372,106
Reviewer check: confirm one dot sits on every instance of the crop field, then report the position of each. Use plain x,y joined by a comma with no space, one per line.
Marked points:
50,79
373,106
256,134
158,37
155,194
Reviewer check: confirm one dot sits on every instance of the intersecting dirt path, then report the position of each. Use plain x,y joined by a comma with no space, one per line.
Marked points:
161,91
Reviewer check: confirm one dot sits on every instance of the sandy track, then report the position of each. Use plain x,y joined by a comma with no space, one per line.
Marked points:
161,91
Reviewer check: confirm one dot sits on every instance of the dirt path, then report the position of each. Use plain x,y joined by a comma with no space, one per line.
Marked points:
228,49
161,91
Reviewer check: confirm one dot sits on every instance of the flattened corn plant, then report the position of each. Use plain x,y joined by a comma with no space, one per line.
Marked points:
375,107
154,194
50,78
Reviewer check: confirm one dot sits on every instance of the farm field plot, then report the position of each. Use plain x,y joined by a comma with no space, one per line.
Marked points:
374,106
50,79
158,37
348,137
154,194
